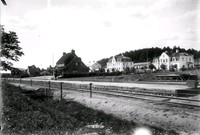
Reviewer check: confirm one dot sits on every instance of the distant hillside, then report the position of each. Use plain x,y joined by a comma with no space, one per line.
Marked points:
141,54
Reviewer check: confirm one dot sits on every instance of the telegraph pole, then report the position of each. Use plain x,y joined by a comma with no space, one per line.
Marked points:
147,57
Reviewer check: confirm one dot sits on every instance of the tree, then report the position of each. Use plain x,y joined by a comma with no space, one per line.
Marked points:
50,70
10,50
183,68
4,2
127,70
151,66
108,71
133,69
113,70
102,70
163,67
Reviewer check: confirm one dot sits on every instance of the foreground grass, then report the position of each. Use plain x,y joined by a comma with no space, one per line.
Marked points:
23,115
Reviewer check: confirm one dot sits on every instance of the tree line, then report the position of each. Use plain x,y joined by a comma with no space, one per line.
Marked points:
147,54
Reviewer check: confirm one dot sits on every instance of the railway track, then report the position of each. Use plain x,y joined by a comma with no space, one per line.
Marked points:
151,98
135,93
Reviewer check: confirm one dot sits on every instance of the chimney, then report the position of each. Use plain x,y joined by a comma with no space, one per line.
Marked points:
64,53
177,51
73,51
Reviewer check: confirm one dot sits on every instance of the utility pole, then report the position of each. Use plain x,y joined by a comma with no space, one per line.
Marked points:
53,64
147,58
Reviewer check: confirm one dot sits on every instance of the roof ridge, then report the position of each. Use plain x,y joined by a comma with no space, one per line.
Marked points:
71,60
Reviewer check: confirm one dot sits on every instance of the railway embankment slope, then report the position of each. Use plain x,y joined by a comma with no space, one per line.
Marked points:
156,114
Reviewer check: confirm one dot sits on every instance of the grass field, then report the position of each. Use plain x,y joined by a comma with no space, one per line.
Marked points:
131,77
23,115
121,78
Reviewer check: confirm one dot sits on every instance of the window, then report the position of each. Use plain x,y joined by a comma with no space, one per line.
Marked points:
182,59
189,59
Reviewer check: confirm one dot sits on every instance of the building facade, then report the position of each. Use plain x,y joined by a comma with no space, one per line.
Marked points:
119,63
95,67
140,65
197,63
177,60
71,63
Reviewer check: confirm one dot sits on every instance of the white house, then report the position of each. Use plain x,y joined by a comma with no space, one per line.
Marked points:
94,67
171,59
119,63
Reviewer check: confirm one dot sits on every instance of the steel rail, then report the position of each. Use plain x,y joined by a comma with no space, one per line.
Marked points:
123,92
140,98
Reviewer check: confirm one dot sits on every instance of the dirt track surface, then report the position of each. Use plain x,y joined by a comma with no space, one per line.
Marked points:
181,120
155,114
135,84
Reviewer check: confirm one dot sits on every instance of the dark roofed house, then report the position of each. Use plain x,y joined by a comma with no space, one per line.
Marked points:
71,63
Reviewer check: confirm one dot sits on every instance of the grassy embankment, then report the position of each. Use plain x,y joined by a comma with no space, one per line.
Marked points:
23,115
131,77
120,78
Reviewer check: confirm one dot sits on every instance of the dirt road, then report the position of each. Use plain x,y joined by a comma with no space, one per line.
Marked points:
135,84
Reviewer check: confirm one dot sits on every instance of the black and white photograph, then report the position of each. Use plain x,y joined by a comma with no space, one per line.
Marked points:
100,67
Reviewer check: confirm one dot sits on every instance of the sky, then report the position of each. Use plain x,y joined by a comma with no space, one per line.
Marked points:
98,29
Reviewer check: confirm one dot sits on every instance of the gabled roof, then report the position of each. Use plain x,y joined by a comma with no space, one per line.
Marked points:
64,58
123,59
96,64
110,60
180,54
168,53
120,59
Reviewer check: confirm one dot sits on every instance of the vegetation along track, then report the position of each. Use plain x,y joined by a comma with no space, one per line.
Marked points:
156,96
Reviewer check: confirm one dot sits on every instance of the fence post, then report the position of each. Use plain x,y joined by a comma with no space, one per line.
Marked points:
90,90
31,82
61,91
20,81
49,85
